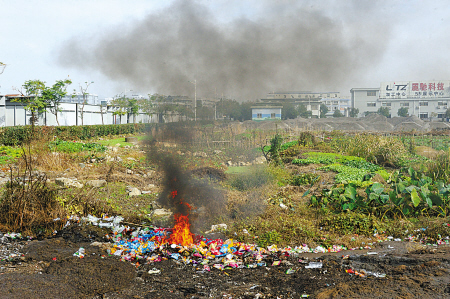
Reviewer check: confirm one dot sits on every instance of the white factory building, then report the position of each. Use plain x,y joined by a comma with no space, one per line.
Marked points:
424,99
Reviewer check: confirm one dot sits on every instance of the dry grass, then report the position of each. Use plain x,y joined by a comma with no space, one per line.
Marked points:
29,204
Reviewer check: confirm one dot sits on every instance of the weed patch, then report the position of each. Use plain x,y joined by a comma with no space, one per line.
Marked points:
28,204
255,176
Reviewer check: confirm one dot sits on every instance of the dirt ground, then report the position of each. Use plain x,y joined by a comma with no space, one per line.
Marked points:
48,269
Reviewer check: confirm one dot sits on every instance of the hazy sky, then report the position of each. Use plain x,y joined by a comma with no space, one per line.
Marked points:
242,49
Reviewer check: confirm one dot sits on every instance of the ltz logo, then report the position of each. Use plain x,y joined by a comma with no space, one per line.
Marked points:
396,87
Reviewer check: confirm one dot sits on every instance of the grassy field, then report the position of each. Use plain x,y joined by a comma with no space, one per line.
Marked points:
347,190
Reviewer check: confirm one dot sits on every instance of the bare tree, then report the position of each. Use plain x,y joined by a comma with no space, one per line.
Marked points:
84,93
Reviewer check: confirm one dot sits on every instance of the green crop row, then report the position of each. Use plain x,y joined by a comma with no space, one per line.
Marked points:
74,147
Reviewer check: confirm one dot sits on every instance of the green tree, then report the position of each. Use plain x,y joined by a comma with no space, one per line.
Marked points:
120,104
204,112
184,111
132,108
288,111
337,113
403,112
447,113
273,154
303,111
231,109
154,105
147,106
353,112
53,96
384,111
246,111
32,98
323,110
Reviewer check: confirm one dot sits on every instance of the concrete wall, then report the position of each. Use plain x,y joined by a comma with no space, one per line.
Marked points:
71,114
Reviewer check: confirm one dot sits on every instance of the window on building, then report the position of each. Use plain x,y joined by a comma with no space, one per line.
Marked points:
259,115
404,104
441,115
371,93
371,104
442,103
272,115
423,103
335,102
386,104
423,115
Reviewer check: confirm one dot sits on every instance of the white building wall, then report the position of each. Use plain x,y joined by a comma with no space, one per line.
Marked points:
16,115
426,107
365,100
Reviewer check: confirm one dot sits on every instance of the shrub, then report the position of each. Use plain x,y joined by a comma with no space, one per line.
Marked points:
439,168
351,223
256,176
375,149
19,135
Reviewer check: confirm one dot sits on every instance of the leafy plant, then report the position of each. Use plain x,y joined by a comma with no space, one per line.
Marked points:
74,147
304,179
412,195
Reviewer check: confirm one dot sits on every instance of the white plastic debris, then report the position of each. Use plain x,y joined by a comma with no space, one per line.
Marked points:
216,227
319,249
154,271
80,253
314,265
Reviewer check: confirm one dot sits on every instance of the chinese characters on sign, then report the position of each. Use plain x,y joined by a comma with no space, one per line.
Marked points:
413,89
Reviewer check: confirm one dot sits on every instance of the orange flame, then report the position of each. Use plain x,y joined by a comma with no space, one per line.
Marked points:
181,232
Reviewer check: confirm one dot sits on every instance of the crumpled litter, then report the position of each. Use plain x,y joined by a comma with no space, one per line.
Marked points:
80,253
314,265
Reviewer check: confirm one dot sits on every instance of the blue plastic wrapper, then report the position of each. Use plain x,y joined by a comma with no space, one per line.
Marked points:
175,256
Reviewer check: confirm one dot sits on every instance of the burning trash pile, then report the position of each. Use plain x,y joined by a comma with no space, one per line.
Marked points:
151,245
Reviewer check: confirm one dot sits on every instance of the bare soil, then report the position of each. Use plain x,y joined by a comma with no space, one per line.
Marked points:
48,269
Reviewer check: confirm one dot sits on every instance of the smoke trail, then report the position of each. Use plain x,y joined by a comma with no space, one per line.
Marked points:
289,47
179,186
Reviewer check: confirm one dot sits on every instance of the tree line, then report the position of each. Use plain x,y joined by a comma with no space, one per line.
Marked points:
38,98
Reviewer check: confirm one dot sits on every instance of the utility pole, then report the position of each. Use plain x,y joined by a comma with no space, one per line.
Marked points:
195,98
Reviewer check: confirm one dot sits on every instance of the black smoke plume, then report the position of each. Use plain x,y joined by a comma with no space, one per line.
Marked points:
183,193
288,45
